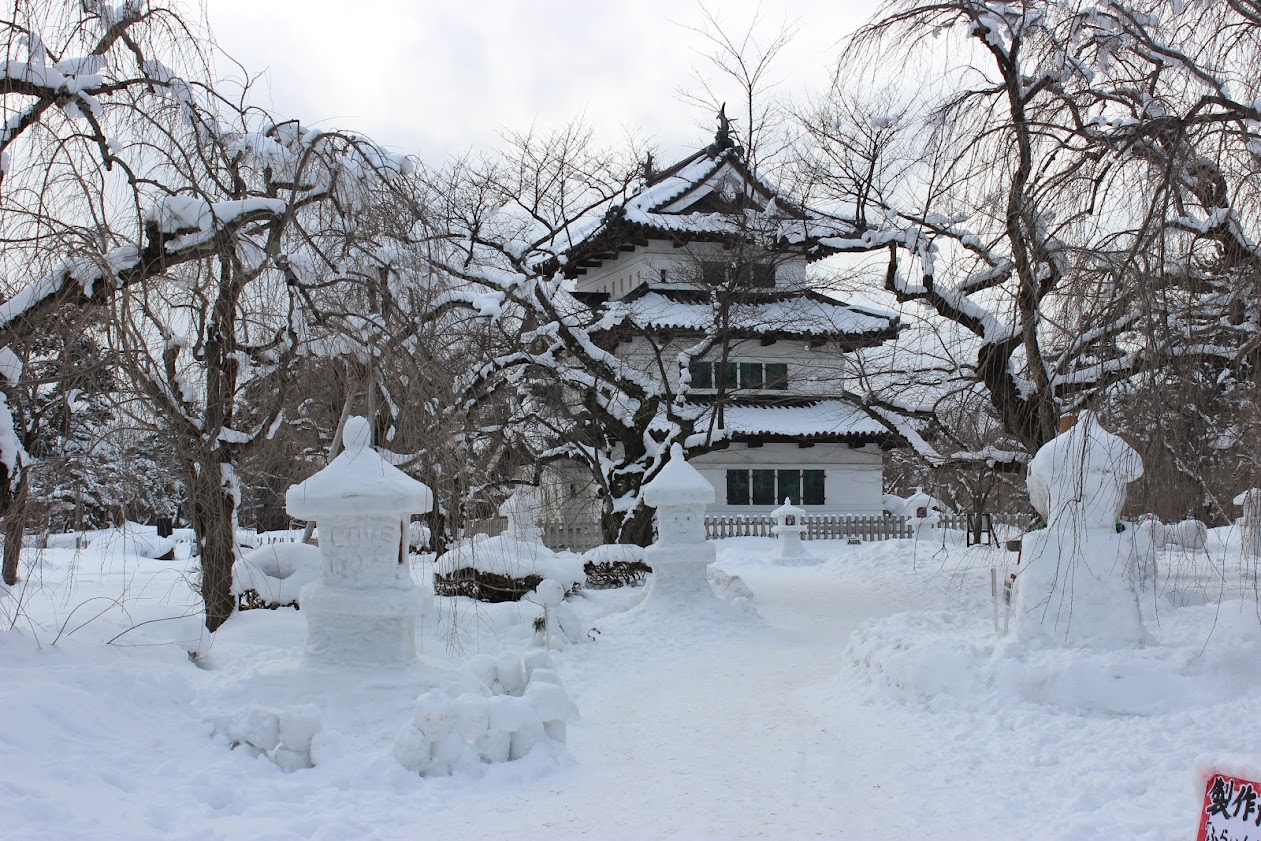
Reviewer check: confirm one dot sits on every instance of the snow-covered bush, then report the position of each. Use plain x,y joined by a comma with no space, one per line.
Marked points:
499,569
615,565
271,576
524,710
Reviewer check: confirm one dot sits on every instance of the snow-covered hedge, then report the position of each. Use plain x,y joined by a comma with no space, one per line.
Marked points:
499,569
615,565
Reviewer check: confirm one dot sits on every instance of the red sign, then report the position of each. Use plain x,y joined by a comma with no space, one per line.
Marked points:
1231,811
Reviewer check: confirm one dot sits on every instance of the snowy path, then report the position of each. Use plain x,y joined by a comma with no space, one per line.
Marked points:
732,735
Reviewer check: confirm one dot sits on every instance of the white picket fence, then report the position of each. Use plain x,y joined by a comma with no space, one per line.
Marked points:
818,526
579,537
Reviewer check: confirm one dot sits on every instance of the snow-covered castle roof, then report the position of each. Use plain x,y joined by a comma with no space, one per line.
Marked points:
713,194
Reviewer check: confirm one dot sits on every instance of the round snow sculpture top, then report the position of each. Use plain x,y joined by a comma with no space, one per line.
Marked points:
1083,473
678,483
358,482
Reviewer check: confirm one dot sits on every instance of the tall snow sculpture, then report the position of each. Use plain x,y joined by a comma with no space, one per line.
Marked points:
364,606
1250,522
1075,586
522,512
681,555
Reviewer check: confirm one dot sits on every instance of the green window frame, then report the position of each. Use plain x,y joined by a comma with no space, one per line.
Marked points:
702,374
763,487
751,375
789,486
776,375
812,487
737,487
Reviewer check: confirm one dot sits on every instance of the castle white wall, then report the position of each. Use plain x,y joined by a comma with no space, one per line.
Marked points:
853,483
682,266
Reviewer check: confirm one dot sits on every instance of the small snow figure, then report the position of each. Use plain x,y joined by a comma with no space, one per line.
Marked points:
788,528
1075,585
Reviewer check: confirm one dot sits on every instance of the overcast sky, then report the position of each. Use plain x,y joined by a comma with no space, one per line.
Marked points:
435,77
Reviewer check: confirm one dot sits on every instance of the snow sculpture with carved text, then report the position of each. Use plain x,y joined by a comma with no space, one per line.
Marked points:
681,556
363,608
1075,584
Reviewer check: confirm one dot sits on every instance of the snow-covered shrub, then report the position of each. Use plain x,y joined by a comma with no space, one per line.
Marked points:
1189,534
133,539
282,735
501,569
615,565
524,710
271,576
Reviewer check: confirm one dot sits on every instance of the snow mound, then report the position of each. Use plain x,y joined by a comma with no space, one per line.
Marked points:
731,588
276,572
523,713
282,735
920,657
132,539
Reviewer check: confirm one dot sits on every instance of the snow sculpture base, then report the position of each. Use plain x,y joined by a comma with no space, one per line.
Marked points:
680,573
371,626
789,547
1078,591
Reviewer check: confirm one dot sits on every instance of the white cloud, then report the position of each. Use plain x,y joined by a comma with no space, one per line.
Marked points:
438,76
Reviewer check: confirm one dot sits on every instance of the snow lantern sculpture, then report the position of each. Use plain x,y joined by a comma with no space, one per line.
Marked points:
681,554
789,526
922,511
1075,585
1250,522
364,606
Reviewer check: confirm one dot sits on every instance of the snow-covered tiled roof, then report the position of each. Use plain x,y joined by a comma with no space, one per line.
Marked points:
712,194
817,419
823,418
796,314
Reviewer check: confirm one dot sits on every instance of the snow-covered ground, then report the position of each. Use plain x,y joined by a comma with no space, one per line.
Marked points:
869,698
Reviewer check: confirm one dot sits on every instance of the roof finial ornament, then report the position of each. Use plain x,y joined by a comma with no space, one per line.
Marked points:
722,140
648,171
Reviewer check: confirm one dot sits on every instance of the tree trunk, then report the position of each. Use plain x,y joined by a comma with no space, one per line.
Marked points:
14,507
212,510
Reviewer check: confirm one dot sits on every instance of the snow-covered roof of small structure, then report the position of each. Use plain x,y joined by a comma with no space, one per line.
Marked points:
677,483
782,315
358,481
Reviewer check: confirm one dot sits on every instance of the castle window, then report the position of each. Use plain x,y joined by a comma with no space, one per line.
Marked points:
739,375
756,275
771,487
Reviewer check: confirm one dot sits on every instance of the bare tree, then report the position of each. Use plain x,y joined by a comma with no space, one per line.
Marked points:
1075,193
